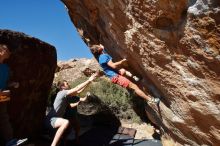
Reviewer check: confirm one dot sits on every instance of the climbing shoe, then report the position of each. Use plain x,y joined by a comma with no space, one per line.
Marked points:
136,78
16,142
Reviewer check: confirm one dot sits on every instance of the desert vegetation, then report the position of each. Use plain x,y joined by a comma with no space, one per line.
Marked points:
118,100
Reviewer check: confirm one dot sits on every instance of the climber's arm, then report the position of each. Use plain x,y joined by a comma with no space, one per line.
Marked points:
116,65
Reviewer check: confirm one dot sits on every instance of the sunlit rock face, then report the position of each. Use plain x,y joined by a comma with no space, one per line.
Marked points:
32,64
174,46
75,68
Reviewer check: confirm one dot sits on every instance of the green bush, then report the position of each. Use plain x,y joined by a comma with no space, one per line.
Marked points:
113,96
117,99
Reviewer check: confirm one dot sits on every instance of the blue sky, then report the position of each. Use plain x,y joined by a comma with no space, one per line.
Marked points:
46,20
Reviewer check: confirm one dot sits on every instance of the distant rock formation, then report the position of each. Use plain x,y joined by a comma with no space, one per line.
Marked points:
32,64
75,68
174,46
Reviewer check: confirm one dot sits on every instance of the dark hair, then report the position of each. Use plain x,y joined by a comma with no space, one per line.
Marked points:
95,51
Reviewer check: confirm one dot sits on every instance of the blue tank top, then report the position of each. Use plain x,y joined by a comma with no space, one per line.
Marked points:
4,75
103,61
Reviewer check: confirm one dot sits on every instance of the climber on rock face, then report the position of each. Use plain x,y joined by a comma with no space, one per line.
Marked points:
117,74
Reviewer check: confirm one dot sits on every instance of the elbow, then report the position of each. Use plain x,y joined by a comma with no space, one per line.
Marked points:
72,105
72,92
113,66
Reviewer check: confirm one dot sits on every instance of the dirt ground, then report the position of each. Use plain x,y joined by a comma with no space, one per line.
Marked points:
144,130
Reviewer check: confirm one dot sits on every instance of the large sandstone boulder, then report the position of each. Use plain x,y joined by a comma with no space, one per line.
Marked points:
32,64
174,46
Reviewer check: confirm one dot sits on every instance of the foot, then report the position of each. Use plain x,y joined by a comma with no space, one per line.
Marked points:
16,142
154,100
136,78
21,141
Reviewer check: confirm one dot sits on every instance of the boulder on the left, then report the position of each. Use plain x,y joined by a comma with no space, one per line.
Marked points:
32,64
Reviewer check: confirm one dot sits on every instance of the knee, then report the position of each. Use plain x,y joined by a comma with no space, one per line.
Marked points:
66,123
133,86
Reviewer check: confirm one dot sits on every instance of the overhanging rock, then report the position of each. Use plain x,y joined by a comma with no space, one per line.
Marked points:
174,46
